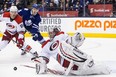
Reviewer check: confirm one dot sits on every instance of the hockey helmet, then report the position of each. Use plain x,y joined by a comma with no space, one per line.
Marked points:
55,30
52,32
13,8
35,6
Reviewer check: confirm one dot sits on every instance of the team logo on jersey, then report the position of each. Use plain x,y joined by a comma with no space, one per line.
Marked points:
28,22
54,45
10,25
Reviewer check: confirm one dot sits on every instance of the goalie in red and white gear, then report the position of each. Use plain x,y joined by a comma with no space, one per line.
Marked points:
72,59
14,29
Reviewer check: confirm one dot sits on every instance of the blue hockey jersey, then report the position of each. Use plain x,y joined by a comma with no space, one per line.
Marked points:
30,21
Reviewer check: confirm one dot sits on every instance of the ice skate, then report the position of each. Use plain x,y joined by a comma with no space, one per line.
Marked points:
23,53
35,54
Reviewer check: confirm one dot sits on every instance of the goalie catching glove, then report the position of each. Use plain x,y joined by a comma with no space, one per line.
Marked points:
76,40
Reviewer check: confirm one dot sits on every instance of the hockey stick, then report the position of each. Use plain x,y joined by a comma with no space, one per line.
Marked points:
48,70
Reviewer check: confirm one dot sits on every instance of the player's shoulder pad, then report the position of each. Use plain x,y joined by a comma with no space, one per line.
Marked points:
6,14
18,19
45,43
59,33
24,9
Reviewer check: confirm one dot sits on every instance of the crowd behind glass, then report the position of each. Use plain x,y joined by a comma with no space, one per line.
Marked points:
55,5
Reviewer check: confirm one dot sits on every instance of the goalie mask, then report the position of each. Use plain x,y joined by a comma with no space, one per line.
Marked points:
52,33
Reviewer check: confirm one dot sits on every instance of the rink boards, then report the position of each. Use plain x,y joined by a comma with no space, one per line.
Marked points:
90,27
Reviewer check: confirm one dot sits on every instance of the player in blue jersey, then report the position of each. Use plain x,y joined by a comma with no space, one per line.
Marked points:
31,20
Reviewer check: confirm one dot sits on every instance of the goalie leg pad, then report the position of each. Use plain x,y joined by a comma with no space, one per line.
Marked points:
96,69
69,52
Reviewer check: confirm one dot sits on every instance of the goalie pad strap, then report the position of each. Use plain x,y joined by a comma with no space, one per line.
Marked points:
69,67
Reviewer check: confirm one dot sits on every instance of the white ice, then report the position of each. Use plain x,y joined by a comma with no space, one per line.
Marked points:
101,49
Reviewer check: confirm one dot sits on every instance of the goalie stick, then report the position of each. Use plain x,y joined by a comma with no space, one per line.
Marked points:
48,70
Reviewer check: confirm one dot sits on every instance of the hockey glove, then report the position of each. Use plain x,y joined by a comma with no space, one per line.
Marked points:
20,41
35,37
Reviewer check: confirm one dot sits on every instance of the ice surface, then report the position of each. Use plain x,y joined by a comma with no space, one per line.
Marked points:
101,49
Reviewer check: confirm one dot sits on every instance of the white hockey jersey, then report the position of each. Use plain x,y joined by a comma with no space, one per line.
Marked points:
12,26
50,48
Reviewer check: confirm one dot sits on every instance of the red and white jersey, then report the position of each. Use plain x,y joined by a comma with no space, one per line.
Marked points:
13,26
50,49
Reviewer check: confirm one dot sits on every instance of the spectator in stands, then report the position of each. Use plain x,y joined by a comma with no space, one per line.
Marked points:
62,5
95,1
56,2
52,6
47,1
68,2
100,2
68,5
108,1
24,3
1,4
43,7
74,1
16,2
39,1
1,1
5,7
114,6
77,6
81,12
7,3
